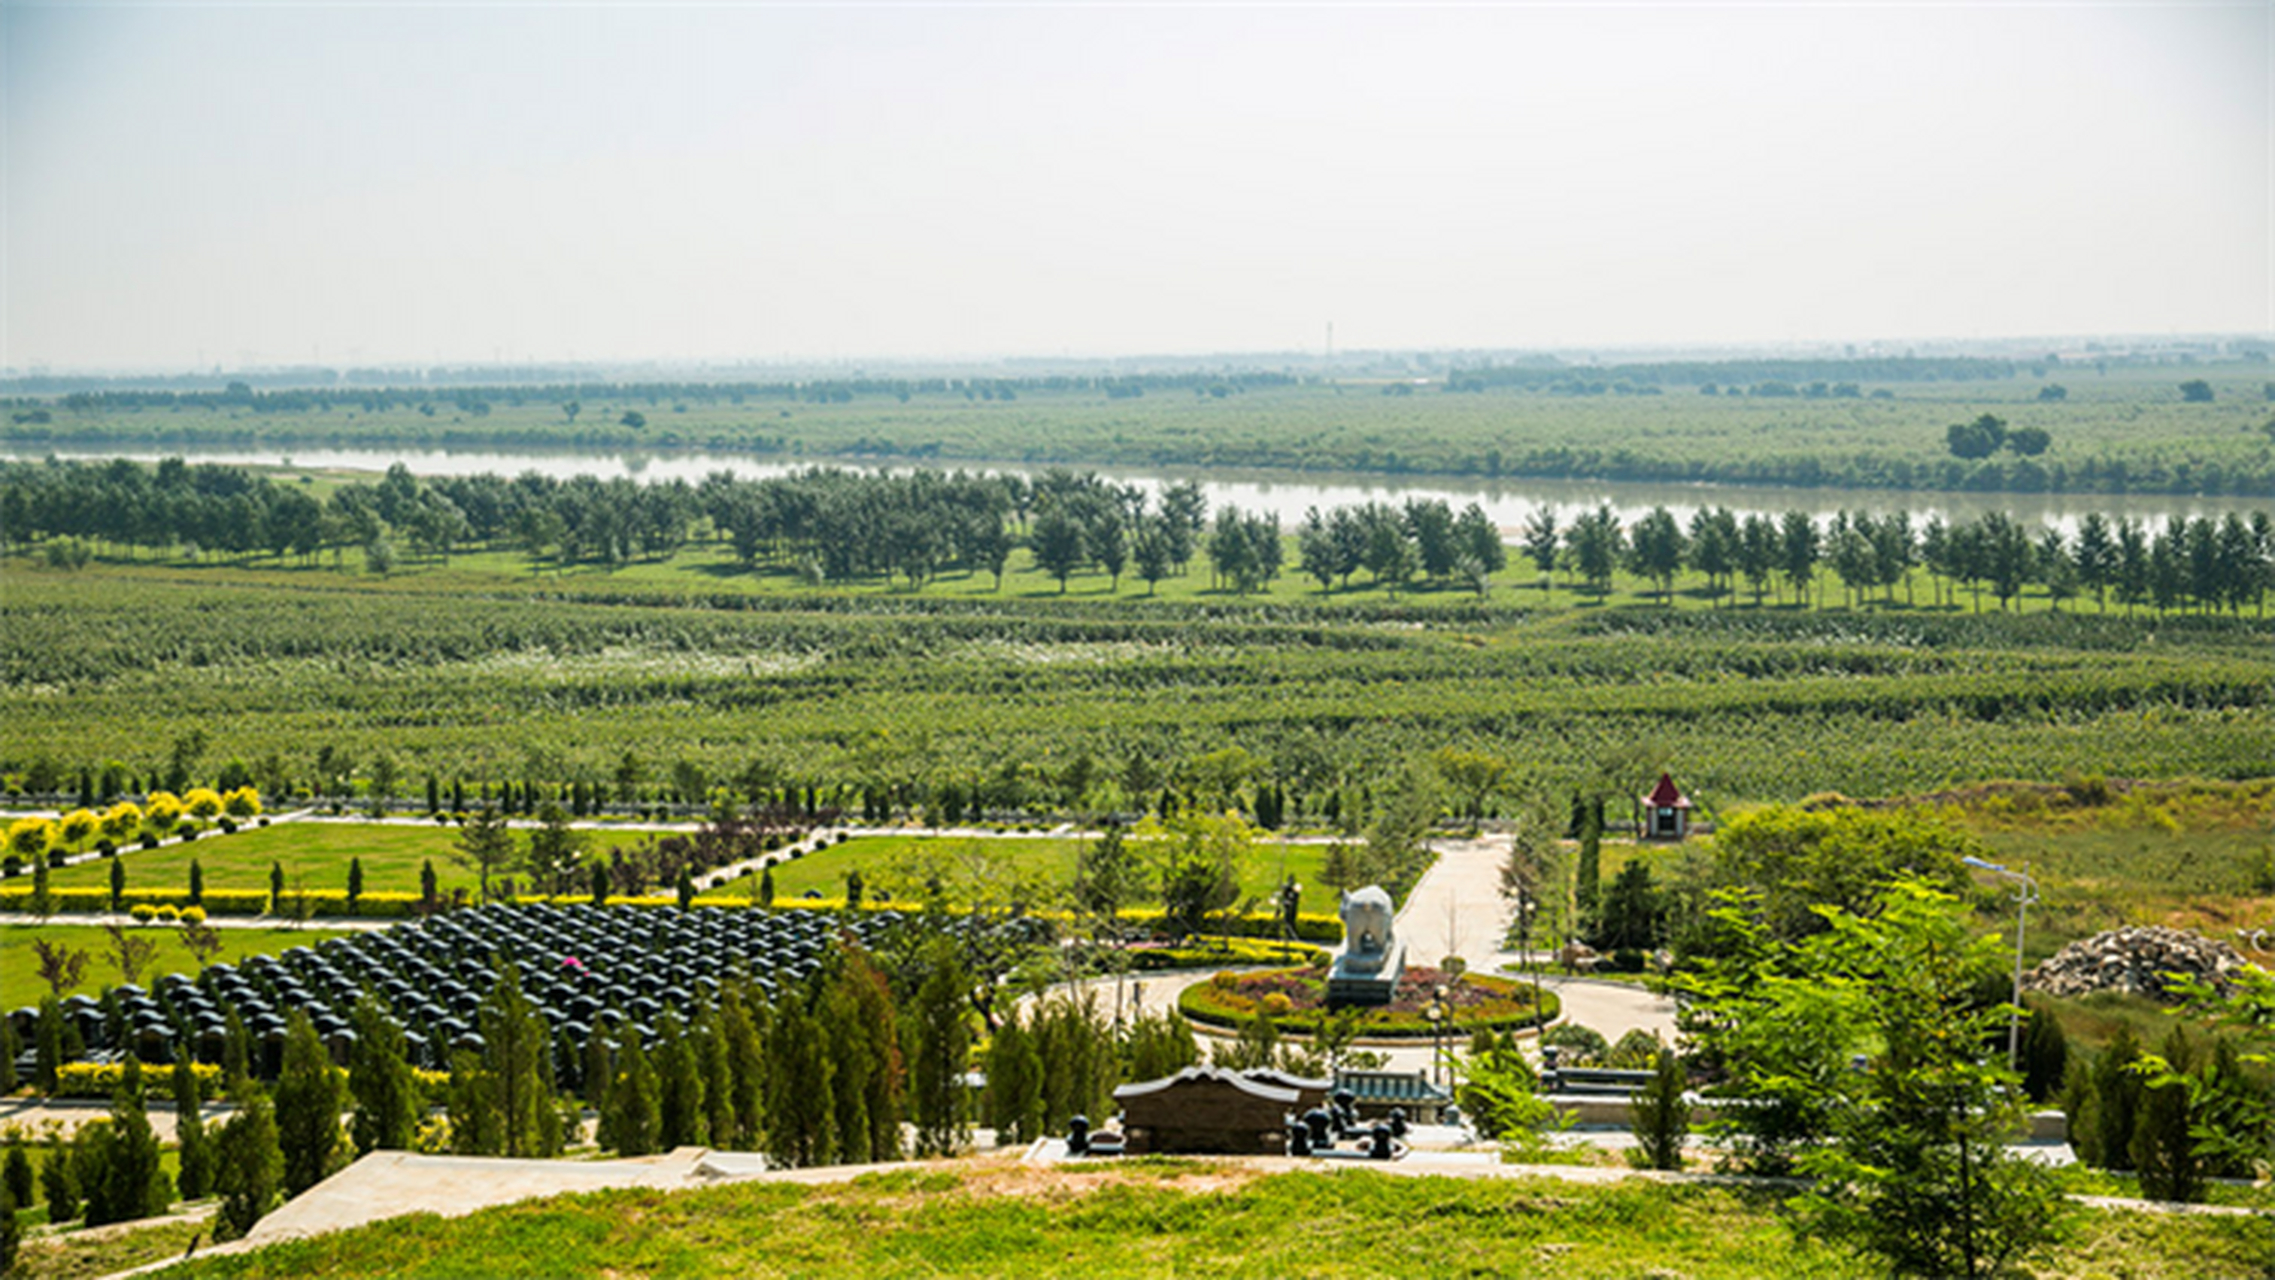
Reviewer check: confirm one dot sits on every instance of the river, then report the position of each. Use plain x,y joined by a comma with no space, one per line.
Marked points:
1509,502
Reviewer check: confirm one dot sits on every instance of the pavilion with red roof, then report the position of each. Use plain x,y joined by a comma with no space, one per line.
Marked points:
1666,812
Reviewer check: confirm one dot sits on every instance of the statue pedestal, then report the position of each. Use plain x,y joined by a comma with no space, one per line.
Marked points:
1365,979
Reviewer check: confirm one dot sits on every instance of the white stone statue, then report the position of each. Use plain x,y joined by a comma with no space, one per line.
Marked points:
1367,918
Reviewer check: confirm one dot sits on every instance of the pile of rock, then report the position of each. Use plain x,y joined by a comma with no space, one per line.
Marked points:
2135,960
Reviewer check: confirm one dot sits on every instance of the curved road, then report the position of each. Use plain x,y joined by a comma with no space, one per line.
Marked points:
1456,909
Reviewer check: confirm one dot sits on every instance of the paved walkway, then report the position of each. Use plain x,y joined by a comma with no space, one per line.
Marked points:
1456,909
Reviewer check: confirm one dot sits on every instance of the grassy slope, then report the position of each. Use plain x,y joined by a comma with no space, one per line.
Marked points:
1174,1219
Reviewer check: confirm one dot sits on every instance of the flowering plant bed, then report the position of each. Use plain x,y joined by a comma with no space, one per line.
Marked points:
1296,1002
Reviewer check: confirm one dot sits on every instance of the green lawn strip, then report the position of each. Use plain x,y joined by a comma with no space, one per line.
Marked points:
898,864
314,855
107,1251
20,983
1150,1221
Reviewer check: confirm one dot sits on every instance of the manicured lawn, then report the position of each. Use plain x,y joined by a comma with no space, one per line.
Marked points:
314,855
20,983
901,864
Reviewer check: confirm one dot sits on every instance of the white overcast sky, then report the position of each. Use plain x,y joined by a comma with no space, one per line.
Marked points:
191,185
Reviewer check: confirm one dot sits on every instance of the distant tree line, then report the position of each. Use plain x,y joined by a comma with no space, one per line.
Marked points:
831,525
378,391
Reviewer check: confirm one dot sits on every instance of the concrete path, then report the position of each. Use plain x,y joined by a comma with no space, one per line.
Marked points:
1456,908
35,1115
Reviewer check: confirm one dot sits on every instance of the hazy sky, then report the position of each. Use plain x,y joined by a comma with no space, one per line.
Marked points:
187,185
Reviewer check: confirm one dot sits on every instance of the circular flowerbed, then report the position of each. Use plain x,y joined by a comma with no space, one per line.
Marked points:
1296,1002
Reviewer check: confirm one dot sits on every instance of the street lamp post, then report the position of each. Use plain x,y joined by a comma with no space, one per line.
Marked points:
1525,908
2025,893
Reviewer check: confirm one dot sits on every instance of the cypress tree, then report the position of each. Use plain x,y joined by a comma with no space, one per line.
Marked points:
595,1071
1588,873
801,1088
517,1070
355,883
599,883
196,1176
1661,1114
380,1079
680,1113
16,1174
247,1163
2117,1099
276,886
10,1046
307,1107
1014,1083
746,1068
2045,1054
118,882
876,1039
236,1047
630,1117
942,1044
197,883
11,1235
59,1183
474,1122
124,1181
2164,1151
48,1057
718,1087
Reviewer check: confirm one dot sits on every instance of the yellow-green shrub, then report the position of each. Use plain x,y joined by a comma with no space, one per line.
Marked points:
100,1079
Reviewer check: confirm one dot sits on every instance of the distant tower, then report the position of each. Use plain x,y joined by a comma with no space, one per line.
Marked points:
1330,342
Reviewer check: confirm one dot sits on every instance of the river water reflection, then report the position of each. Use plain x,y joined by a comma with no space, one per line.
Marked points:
1508,501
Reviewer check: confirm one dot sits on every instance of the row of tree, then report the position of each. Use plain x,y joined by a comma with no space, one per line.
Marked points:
843,526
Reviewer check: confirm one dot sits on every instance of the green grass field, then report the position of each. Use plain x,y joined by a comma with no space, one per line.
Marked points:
899,865
2118,428
1166,1218
20,983
314,855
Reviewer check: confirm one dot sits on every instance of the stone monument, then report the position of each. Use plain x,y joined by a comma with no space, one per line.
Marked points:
1366,973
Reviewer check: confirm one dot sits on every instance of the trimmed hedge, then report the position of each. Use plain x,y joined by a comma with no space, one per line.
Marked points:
100,1080
218,902
1221,1004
